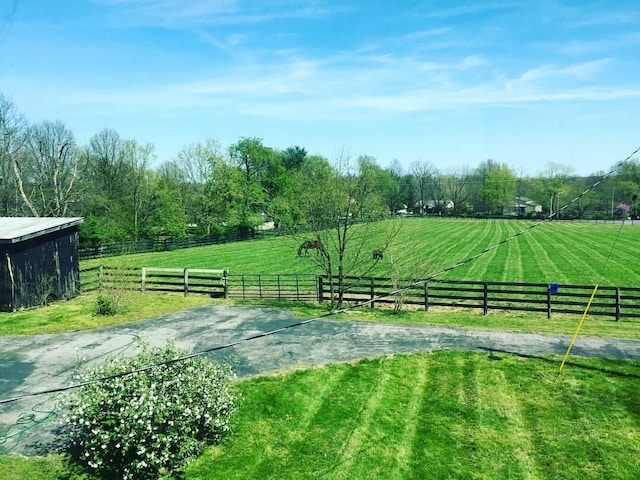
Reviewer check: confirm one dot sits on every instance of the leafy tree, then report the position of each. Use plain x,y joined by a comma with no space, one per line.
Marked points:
200,164
288,208
167,207
495,187
223,198
293,157
105,183
258,165
629,185
555,181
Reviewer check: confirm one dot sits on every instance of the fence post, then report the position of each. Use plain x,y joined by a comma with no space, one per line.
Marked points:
143,278
260,287
617,304
372,292
548,301
297,287
485,303
426,296
100,277
279,286
320,289
186,282
225,283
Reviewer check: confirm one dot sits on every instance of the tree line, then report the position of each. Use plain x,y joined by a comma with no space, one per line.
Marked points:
124,194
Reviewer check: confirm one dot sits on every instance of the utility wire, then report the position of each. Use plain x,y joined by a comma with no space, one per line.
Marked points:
325,315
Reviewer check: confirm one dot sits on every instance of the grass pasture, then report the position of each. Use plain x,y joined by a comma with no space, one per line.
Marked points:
570,253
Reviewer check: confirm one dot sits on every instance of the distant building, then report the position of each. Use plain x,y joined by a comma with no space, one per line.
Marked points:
431,206
38,261
526,206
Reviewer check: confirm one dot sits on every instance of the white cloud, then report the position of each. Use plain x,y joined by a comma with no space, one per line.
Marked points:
189,13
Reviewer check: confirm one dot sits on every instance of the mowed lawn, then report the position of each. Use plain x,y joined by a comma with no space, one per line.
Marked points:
440,415
570,253
443,415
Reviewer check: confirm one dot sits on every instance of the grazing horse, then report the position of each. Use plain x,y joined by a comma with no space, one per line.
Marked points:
377,254
310,245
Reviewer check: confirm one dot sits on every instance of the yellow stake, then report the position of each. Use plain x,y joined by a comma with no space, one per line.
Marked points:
575,335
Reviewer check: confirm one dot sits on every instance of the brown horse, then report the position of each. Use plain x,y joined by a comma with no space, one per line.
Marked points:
377,254
310,245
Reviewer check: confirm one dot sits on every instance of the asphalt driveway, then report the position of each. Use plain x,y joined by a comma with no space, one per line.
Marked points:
35,363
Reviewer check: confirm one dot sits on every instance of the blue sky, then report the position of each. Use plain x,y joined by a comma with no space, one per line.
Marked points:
454,83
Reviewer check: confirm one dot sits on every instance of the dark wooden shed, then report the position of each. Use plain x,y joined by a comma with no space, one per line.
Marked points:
38,261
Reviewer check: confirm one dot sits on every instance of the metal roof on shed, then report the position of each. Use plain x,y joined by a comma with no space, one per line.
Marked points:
18,229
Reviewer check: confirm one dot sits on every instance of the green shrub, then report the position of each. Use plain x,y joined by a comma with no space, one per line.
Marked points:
105,306
151,422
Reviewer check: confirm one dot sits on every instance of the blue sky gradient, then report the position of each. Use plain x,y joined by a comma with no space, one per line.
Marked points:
453,83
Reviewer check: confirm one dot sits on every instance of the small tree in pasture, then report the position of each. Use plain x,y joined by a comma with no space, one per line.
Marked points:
339,206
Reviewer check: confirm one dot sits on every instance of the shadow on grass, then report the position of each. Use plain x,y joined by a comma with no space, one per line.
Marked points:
613,373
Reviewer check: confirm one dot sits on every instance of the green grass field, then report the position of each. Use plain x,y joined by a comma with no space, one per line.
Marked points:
572,253
434,415
441,415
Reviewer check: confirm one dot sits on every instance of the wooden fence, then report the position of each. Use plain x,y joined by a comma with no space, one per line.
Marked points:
216,283
616,302
146,246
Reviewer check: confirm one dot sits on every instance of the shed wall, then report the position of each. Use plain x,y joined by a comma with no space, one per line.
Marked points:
35,271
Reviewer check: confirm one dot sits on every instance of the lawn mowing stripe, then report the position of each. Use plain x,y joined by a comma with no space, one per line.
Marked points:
498,266
550,404
311,393
435,446
513,263
503,424
480,269
316,394
358,440
547,261
389,434
339,414
442,242
576,268
465,249
411,419
604,255
532,270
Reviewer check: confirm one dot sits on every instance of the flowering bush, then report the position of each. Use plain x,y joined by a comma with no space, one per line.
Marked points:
148,423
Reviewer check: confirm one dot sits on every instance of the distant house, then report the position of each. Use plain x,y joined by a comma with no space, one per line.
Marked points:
38,261
431,206
526,206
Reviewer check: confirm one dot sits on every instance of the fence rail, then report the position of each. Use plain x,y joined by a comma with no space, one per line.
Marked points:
616,302
272,286
146,246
